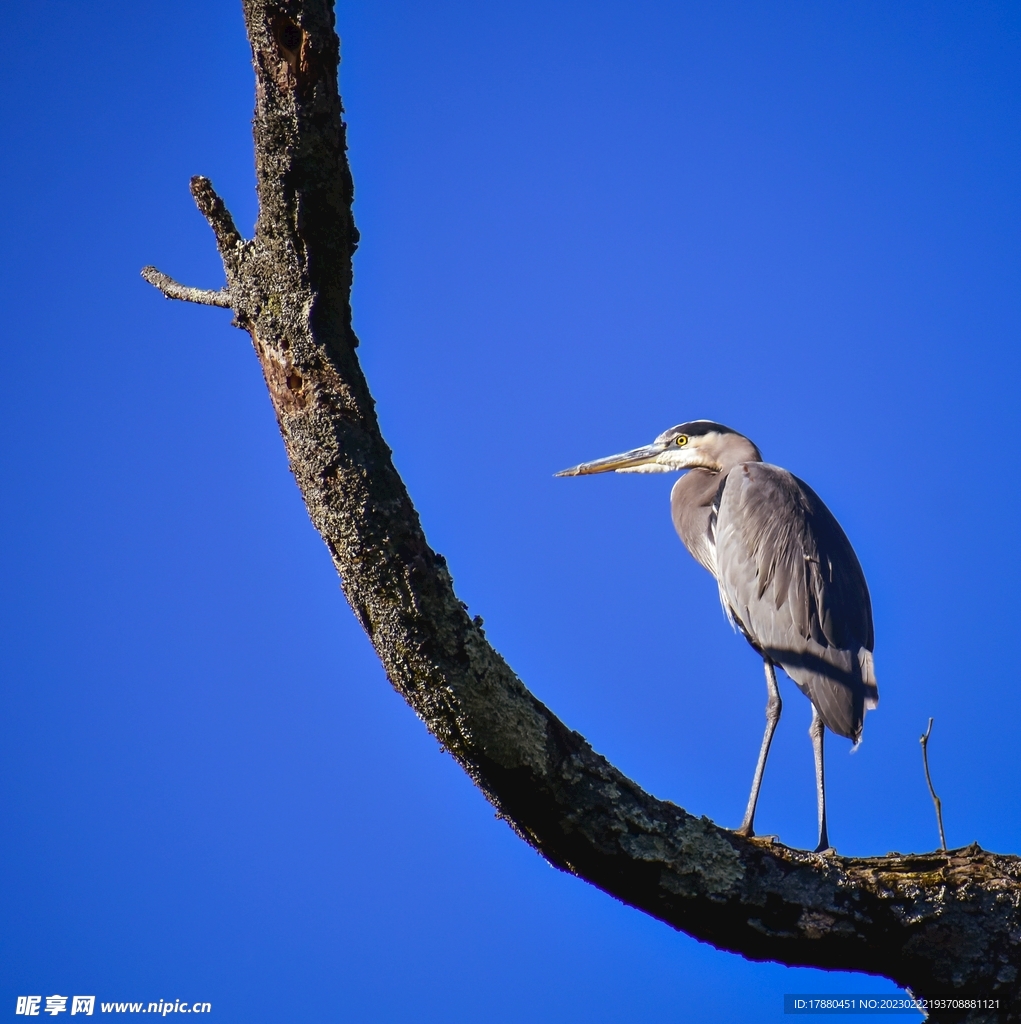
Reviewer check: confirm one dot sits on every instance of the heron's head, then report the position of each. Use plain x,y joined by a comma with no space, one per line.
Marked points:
699,444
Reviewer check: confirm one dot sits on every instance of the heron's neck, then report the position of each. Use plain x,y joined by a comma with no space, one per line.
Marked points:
691,501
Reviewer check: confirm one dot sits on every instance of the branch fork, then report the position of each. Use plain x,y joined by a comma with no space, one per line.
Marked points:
228,241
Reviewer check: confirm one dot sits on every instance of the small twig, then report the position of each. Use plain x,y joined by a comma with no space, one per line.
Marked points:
935,799
172,290
211,206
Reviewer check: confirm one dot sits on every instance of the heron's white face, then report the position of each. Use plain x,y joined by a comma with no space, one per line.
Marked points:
693,445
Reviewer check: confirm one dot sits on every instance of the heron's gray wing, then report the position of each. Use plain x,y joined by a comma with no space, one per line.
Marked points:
794,584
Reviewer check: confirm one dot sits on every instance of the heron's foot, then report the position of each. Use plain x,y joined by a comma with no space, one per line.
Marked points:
825,849
744,829
764,840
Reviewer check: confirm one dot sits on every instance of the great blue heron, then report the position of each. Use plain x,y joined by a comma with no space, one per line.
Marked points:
788,577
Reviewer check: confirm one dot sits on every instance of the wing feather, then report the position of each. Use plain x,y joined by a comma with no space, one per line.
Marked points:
794,585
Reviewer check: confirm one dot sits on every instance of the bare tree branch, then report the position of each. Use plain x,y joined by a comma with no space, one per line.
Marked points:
936,802
211,206
172,290
938,922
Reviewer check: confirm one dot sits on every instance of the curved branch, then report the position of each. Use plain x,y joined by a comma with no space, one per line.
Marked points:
935,922
172,290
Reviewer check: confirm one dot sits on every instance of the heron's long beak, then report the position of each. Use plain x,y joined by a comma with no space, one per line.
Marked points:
624,461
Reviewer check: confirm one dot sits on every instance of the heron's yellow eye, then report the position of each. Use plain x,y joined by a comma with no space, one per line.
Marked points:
681,440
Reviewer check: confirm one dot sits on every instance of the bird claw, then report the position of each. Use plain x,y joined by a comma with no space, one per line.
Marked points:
765,840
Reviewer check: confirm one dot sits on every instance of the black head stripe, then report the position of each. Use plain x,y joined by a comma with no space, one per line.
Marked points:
697,428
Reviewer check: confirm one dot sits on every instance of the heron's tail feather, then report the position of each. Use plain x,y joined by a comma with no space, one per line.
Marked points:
840,683
868,678
834,681
842,706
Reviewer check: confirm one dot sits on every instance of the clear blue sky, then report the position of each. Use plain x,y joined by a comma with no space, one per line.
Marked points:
582,223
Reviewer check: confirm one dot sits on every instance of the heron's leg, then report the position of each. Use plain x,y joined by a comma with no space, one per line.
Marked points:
773,706
817,731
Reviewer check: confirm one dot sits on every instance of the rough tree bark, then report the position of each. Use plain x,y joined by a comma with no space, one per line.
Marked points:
937,923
